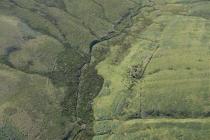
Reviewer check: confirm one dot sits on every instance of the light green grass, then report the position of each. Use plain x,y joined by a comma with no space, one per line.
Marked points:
114,95
175,83
156,129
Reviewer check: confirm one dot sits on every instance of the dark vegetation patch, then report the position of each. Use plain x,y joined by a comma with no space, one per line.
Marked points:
121,53
53,3
8,132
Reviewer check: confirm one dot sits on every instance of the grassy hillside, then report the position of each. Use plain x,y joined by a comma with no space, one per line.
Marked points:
156,78
29,106
47,83
104,69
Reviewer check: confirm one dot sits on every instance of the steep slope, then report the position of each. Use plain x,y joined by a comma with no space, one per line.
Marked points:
104,70
51,41
156,78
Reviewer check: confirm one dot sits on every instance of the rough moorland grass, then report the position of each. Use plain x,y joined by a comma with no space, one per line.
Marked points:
116,9
37,55
128,92
60,22
7,131
10,34
30,104
91,13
